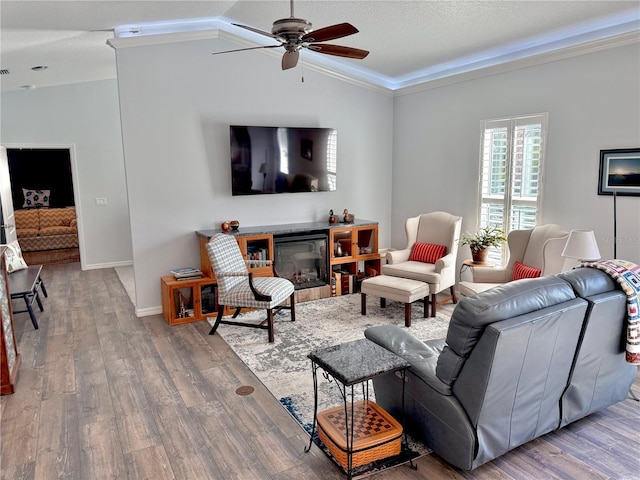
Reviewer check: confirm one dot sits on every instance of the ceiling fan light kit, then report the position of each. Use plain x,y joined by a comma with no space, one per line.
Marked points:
295,34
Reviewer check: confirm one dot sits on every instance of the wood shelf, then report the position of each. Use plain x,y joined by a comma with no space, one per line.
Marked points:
185,301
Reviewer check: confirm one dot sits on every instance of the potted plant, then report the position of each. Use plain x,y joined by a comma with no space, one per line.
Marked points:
479,242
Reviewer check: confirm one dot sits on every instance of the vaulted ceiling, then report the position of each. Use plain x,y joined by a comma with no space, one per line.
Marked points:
410,41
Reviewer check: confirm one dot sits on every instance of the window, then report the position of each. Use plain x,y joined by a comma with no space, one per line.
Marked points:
332,149
511,166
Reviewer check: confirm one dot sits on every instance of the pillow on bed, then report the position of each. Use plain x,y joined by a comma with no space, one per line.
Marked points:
13,256
35,198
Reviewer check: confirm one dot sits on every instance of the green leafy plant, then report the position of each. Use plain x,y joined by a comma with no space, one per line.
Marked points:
489,236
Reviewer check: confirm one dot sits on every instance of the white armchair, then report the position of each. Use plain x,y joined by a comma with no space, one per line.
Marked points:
434,229
539,248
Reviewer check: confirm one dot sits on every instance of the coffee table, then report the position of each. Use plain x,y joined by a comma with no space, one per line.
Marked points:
350,364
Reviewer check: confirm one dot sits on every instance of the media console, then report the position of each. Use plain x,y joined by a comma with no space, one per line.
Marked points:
309,254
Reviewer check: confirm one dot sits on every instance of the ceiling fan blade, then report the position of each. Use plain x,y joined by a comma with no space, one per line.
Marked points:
248,48
338,50
330,33
290,59
251,29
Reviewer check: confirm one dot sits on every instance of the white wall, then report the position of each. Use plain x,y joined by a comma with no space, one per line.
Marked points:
177,102
593,102
85,116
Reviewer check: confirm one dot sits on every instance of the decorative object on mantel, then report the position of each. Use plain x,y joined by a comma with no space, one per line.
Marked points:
348,217
332,218
234,224
224,226
479,242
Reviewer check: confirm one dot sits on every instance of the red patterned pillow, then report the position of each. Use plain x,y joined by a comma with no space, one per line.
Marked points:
427,252
520,270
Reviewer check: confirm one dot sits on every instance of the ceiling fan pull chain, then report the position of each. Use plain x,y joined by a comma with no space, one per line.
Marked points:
302,67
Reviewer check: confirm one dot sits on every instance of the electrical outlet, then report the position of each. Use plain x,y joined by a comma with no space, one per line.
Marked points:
101,201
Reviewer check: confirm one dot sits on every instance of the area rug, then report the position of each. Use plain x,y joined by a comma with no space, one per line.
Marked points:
283,366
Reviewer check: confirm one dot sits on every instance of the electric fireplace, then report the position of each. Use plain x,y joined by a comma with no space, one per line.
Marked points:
302,259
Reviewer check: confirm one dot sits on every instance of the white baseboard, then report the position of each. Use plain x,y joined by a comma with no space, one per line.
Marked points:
146,312
97,266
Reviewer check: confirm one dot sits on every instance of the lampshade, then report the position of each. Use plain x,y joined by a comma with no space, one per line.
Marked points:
263,167
582,245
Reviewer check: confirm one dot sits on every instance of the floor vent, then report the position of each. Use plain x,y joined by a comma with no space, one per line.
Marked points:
4,72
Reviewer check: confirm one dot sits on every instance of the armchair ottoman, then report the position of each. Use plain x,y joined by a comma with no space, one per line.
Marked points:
402,290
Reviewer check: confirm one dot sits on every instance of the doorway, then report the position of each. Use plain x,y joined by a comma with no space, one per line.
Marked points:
44,195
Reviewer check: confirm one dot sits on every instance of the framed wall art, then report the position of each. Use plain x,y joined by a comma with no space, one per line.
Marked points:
619,172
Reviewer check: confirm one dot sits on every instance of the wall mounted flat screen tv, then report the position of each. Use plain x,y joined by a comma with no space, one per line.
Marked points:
268,160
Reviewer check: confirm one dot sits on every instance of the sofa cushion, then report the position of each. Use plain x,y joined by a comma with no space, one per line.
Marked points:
427,252
57,230
35,198
473,314
587,282
27,219
520,271
56,217
27,232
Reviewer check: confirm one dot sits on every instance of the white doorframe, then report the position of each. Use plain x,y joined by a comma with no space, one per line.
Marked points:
74,180
8,227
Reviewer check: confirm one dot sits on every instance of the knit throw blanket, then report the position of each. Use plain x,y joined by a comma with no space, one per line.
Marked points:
627,274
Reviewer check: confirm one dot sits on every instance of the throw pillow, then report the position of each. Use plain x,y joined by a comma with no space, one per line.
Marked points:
520,270
427,252
35,198
13,256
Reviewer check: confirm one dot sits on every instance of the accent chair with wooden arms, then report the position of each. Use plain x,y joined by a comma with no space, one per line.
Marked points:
539,248
238,288
430,254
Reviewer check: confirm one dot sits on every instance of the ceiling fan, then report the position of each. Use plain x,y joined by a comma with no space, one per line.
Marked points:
295,34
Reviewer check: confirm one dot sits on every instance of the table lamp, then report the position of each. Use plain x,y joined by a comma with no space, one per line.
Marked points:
581,245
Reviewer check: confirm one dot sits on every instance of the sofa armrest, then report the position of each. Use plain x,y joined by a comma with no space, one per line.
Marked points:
423,356
398,256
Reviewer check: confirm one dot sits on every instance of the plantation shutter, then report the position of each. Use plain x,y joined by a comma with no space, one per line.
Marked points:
511,164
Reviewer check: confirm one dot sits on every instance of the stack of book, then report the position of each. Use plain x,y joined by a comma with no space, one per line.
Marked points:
186,273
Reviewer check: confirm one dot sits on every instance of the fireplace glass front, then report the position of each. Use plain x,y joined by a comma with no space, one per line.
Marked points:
302,260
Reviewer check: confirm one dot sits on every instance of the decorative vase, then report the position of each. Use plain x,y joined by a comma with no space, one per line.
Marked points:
480,256
234,224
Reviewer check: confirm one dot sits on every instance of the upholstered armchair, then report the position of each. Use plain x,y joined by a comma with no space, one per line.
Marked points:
530,250
430,254
238,288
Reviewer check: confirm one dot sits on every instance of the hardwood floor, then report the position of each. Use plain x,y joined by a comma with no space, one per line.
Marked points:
103,394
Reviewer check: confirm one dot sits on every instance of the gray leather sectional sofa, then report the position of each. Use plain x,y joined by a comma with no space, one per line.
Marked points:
519,360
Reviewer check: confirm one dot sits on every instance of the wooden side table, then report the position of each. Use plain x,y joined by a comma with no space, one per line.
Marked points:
467,264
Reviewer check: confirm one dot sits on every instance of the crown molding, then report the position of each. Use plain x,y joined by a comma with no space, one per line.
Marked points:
507,65
386,85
